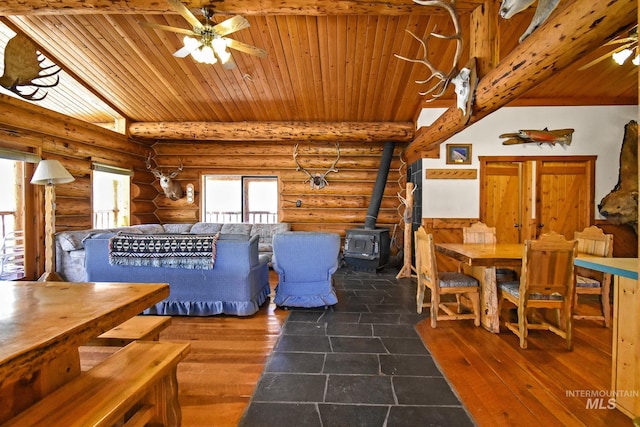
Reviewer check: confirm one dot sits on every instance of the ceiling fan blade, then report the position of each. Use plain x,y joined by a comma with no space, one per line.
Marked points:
183,52
607,55
623,40
186,13
231,25
168,28
246,48
595,61
230,64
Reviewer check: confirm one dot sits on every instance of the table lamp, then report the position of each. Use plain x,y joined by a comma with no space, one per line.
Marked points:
49,173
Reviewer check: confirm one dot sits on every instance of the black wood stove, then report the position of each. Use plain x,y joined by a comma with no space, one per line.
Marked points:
367,248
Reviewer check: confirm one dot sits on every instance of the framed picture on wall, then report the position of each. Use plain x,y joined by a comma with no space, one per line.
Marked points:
458,154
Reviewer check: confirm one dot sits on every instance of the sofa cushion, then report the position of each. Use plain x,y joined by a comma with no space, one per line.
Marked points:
236,229
266,232
72,240
148,228
177,228
205,228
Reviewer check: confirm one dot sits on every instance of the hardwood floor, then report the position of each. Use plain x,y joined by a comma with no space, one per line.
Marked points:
227,357
500,384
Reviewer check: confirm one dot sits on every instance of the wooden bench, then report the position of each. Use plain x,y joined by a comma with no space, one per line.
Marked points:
135,386
146,328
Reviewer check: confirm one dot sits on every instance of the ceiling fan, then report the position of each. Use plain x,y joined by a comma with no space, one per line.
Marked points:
624,48
207,42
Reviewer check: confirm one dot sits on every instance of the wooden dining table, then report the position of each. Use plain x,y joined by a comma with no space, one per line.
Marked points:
43,324
480,261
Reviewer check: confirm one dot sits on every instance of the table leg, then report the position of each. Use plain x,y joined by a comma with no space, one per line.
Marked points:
489,316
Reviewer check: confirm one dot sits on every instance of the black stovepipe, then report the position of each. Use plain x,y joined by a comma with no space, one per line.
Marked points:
378,188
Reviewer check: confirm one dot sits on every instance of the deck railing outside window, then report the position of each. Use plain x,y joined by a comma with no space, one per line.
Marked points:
11,248
105,219
7,222
255,217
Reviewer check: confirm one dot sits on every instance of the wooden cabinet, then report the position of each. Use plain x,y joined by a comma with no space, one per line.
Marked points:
524,197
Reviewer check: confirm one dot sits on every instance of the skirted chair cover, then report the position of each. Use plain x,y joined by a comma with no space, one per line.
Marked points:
305,263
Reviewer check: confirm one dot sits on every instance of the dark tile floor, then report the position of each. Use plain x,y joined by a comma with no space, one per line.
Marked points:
360,363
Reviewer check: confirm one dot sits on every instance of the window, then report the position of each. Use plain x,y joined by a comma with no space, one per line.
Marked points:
15,259
234,199
111,196
10,172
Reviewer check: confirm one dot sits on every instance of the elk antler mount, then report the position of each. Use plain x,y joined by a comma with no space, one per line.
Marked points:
442,77
23,68
318,180
171,188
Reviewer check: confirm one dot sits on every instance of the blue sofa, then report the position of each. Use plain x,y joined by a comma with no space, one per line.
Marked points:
237,284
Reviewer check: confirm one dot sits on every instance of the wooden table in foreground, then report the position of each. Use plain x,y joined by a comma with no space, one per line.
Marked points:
42,325
625,375
480,261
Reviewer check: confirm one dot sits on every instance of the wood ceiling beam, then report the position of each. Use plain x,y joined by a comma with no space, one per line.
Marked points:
569,33
484,40
19,114
226,7
275,131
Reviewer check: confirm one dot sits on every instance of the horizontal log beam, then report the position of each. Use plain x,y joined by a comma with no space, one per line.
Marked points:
275,131
18,114
569,33
226,7
172,150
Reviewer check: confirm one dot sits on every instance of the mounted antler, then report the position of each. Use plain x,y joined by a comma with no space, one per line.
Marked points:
23,66
171,188
316,181
443,78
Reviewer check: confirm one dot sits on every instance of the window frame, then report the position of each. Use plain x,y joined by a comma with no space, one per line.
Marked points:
244,214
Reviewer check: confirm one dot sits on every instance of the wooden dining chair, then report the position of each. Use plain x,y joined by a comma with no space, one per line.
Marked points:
593,241
479,232
442,283
547,281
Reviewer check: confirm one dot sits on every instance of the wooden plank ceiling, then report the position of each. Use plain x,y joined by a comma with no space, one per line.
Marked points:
327,61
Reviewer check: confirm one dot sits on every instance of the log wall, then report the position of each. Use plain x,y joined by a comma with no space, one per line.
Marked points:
76,144
338,206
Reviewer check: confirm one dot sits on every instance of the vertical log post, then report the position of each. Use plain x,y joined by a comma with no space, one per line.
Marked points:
49,274
408,222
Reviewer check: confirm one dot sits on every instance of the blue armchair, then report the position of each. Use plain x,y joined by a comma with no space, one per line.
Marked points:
305,263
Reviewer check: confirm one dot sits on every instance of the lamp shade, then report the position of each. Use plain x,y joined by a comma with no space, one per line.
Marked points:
51,172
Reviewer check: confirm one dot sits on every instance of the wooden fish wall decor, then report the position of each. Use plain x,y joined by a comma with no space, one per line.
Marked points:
23,68
551,137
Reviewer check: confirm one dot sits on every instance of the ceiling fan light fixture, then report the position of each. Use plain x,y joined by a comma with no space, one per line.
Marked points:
636,60
220,48
621,57
205,55
200,51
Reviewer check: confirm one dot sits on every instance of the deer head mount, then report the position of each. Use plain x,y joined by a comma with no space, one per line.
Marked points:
171,188
442,77
508,8
23,68
318,180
